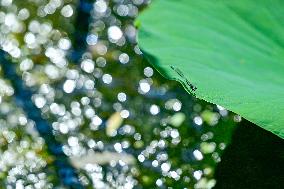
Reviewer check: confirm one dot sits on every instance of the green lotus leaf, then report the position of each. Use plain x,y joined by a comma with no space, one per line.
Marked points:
227,52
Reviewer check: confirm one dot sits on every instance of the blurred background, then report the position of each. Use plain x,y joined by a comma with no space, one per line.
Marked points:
81,108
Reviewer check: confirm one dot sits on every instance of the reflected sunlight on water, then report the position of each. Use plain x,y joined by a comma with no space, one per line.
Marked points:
119,122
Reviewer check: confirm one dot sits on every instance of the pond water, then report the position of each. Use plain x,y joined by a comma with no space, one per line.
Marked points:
81,107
